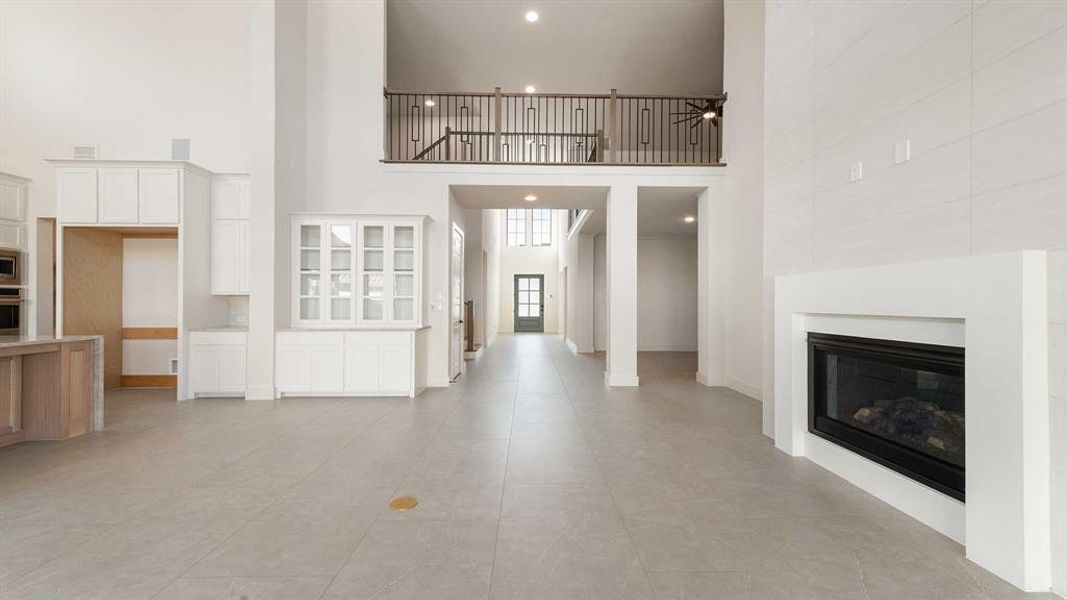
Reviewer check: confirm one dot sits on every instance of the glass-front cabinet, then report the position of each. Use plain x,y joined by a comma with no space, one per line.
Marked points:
358,271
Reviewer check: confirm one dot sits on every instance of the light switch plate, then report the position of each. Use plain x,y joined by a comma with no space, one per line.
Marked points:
855,172
902,152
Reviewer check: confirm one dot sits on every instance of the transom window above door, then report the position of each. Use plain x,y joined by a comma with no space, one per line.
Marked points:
529,227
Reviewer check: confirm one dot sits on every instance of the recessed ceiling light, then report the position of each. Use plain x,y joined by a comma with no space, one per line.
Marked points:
530,89
530,198
430,103
690,219
532,16
709,115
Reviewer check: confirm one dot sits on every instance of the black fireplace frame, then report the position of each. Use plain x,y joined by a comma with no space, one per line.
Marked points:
942,476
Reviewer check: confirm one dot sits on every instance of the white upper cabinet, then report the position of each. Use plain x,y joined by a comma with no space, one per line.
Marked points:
160,191
357,271
76,188
125,192
229,198
117,195
12,199
229,235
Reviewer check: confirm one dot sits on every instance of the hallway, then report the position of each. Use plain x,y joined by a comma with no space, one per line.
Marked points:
533,481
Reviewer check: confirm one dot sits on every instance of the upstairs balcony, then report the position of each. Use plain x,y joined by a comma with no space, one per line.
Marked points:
553,129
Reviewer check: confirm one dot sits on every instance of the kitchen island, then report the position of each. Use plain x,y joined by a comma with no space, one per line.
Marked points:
50,388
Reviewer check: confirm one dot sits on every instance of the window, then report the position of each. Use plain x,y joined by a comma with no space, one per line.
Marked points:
516,227
542,226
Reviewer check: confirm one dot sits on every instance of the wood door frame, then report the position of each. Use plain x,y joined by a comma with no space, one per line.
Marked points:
515,302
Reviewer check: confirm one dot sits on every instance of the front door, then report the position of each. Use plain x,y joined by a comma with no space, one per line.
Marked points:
456,354
529,303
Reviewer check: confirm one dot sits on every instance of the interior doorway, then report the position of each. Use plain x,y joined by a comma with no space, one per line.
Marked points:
456,355
530,303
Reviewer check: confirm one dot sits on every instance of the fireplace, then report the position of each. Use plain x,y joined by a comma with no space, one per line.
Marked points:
900,404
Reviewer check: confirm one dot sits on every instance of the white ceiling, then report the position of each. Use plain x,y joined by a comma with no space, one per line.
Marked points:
661,211
577,46
512,196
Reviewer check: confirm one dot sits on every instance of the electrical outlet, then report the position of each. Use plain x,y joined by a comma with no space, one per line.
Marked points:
855,172
902,152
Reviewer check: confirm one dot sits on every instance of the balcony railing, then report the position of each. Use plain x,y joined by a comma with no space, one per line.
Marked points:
552,129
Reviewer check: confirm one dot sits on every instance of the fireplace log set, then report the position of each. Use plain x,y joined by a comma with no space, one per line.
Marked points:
919,424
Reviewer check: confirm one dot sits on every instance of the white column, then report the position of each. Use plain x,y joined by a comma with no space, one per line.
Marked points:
260,352
622,287
712,248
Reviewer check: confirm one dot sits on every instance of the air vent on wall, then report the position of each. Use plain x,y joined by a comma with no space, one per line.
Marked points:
173,366
84,152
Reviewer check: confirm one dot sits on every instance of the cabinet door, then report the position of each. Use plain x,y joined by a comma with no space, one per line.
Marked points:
327,368
309,274
243,254
373,272
117,195
361,368
76,191
225,256
403,306
231,362
159,192
203,370
293,368
11,235
12,196
230,199
395,368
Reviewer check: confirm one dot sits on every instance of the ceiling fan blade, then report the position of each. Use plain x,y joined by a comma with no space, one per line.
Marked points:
688,113
700,109
694,124
685,120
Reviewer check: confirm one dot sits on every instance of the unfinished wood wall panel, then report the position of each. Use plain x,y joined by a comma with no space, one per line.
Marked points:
42,416
92,292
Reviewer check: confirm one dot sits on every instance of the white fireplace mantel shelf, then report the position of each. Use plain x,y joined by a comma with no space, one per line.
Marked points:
1000,303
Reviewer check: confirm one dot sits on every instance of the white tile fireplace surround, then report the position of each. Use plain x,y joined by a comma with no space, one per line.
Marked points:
994,306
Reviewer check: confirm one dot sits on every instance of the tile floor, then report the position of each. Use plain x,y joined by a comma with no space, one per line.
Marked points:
534,482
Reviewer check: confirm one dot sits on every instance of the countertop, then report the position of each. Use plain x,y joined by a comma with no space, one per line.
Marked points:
15,341
346,329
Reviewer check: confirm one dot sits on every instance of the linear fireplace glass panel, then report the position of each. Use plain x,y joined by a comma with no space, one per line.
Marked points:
898,403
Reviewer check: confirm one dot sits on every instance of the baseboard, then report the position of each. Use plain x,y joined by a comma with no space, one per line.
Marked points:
707,380
620,380
666,348
437,382
570,344
261,393
743,388
473,355
149,381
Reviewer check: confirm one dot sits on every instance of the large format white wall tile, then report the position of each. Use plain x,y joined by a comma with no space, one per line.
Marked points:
791,224
788,187
930,124
942,61
1057,358
937,232
1028,148
1057,285
1029,216
934,178
1027,79
1001,26
850,23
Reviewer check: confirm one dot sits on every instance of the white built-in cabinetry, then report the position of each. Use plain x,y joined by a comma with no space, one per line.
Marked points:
365,362
360,277
217,363
120,193
358,271
13,193
230,218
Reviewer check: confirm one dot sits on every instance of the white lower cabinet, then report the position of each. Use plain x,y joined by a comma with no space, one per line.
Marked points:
348,363
217,363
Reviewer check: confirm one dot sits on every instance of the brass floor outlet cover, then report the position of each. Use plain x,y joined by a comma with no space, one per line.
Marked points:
404,503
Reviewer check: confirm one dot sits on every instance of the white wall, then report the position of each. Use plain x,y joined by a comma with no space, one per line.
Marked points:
491,240
743,151
473,275
666,294
149,299
529,260
980,90
127,76
576,300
